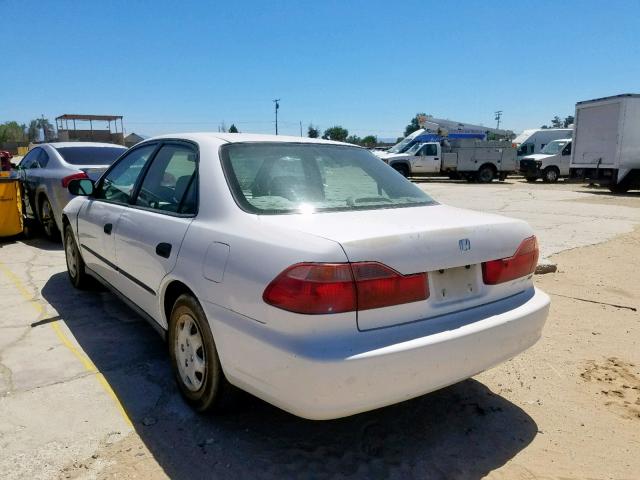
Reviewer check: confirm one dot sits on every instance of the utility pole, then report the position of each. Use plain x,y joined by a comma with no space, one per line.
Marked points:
498,116
300,127
277,102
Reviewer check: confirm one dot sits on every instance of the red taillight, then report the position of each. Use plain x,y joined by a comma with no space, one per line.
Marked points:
75,176
521,264
380,286
322,288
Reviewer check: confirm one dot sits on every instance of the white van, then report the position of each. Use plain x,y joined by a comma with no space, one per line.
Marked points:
550,164
535,139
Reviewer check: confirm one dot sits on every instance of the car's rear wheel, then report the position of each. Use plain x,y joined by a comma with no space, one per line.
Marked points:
194,357
47,221
75,264
486,174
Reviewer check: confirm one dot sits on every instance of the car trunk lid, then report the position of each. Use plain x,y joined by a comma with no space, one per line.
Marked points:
448,243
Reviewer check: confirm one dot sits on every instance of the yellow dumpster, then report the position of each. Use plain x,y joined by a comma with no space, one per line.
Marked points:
10,206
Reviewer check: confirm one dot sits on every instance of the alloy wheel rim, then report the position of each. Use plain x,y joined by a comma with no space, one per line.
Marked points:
189,353
46,217
72,260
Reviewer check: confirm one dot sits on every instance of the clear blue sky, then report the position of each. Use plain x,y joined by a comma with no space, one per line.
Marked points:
368,66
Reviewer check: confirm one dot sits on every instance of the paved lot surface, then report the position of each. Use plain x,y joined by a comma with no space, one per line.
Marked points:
85,384
564,216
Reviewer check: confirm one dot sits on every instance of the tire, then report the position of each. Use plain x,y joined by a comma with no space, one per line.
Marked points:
550,175
48,223
194,358
622,187
486,174
401,169
531,179
75,265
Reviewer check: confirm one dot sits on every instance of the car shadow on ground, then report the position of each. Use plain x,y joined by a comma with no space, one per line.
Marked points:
608,193
38,242
463,431
456,182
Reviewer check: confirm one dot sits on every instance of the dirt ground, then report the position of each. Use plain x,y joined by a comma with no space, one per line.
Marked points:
569,408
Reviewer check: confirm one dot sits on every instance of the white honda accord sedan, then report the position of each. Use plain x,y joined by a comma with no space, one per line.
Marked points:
306,272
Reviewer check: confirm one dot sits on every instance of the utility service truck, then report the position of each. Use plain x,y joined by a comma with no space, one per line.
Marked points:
606,142
471,159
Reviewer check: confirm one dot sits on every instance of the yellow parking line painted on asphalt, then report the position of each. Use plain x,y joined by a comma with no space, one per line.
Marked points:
66,341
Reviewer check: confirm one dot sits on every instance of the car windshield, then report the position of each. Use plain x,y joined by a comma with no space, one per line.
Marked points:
554,147
414,150
405,143
90,155
281,178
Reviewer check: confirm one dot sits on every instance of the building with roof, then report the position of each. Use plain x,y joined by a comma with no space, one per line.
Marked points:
100,128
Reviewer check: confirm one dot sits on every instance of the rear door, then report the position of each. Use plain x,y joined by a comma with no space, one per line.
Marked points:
98,219
150,233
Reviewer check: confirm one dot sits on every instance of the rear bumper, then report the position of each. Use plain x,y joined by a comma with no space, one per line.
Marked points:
324,379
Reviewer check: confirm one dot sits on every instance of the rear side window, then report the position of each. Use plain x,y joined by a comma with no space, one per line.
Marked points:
170,182
278,178
117,186
90,155
43,158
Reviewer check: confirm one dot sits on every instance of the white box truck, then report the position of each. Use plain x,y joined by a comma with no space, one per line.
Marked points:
606,142
533,140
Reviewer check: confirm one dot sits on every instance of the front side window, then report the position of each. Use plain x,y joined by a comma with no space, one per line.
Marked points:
280,178
117,186
30,159
554,147
169,184
430,150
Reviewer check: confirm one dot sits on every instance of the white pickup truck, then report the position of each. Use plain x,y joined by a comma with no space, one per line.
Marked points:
469,159
550,164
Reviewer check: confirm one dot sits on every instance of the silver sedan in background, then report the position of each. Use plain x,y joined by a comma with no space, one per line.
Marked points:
47,169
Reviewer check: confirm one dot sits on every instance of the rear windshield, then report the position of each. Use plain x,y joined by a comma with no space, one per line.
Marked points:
90,155
279,178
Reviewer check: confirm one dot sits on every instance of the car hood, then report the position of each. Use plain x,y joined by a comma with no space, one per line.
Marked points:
413,239
537,156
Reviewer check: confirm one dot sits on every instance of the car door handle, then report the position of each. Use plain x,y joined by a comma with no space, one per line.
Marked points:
436,158
163,249
107,228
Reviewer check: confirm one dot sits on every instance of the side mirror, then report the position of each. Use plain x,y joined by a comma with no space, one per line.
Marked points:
81,186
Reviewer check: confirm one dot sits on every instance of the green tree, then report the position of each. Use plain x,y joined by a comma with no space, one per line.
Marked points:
41,124
568,120
356,140
370,141
233,129
313,132
12,132
336,133
556,122
413,125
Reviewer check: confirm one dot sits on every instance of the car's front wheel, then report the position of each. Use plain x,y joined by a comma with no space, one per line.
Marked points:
75,264
194,357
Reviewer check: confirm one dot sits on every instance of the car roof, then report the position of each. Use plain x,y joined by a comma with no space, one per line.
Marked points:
205,137
81,144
